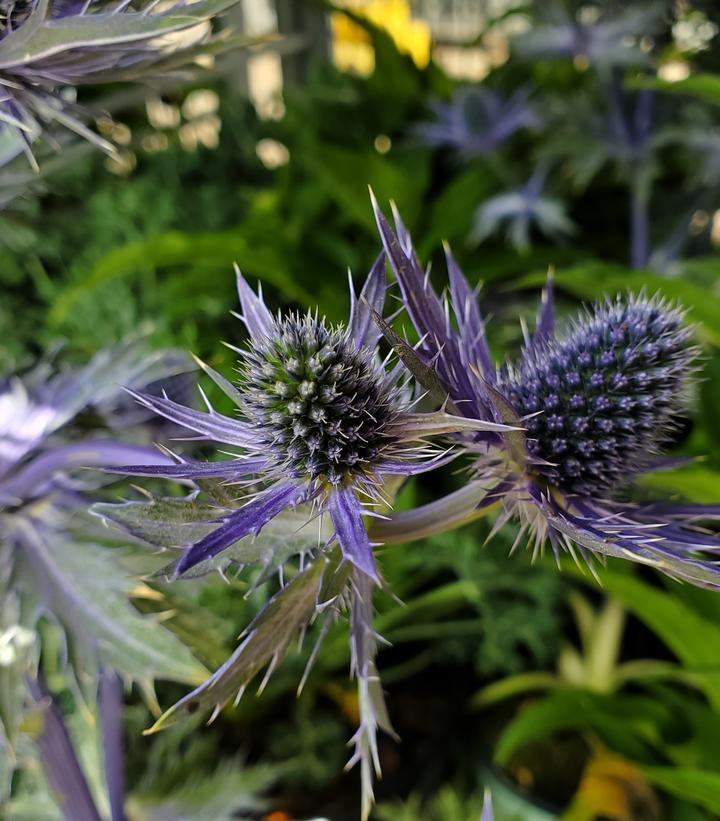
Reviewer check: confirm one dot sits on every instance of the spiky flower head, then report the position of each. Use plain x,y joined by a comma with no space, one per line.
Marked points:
322,423
600,399
317,401
325,430
477,120
520,210
595,403
598,34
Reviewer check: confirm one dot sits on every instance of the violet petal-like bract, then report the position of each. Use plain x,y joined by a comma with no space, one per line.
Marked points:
249,519
192,469
466,306
258,320
111,707
361,327
29,480
545,326
60,763
439,344
211,424
346,514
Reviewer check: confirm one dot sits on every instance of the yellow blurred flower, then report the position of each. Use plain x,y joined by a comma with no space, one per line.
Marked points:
352,47
613,788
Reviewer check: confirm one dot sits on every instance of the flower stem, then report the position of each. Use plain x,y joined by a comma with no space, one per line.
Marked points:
639,224
447,513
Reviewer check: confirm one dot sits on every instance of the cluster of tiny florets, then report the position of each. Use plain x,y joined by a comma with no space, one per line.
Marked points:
606,395
319,404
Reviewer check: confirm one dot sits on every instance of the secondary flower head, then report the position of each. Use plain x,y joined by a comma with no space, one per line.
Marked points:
596,402
477,120
595,34
601,397
321,422
519,211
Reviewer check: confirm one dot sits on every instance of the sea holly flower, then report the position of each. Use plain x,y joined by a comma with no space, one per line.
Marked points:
597,401
477,120
52,561
521,209
322,423
49,46
324,432
591,35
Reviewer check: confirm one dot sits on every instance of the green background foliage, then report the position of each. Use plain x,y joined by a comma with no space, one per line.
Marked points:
98,256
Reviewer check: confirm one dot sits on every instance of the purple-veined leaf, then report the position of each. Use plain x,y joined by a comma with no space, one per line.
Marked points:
265,642
40,37
87,591
346,514
246,521
294,532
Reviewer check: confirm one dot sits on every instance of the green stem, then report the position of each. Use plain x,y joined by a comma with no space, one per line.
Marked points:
445,514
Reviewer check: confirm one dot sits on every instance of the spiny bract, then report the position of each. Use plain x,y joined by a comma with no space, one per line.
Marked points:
606,394
318,401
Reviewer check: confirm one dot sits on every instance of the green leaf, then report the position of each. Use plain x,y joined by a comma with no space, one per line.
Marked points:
452,211
693,638
87,590
511,686
694,742
19,657
233,788
345,175
626,723
163,521
703,86
216,251
700,786
696,482
266,641
709,389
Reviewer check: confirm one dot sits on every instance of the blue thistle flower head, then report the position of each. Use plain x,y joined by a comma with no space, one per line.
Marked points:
519,211
323,430
596,404
597,34
597,400
477,120
322,423
317,401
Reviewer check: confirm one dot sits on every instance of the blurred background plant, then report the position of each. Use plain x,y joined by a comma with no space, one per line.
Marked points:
585,136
